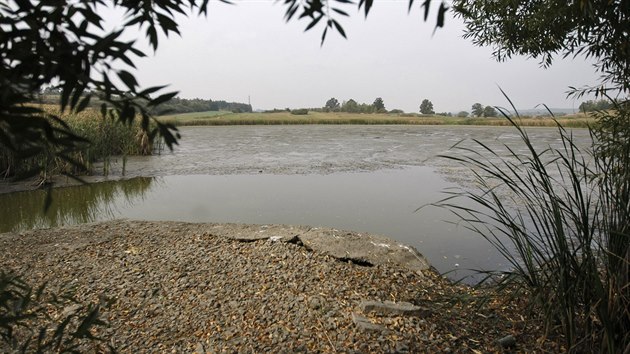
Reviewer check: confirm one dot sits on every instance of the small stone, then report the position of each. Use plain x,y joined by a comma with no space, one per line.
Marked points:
386,308
71,310
507,342
365,324
314,303
401,348
200,349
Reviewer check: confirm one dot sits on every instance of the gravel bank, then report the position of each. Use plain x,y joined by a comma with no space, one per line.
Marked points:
181,287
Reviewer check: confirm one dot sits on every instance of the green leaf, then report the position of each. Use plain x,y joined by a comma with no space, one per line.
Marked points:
150,90
314,22
341,12
165,132
324,35
68,87
153,37
367,5
162,98
127,61
78,91
339,28
440,18
103,109
127,114
427,5
167,24
136,51
128,79
84,103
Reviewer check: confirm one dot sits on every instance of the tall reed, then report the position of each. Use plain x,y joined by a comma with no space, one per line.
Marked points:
561,218
106,138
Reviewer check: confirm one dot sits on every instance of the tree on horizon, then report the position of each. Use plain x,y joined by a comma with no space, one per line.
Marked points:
379,105
426,107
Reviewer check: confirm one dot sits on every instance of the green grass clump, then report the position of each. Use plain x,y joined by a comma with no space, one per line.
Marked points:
561,217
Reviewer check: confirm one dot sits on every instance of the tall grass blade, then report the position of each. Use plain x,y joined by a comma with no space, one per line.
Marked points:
561,217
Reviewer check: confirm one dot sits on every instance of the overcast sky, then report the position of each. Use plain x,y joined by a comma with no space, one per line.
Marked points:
248,50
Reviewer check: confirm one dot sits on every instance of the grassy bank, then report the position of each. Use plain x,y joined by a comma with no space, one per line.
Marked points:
286,118
105,138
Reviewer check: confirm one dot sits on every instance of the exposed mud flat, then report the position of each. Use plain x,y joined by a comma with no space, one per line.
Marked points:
311,149
322,149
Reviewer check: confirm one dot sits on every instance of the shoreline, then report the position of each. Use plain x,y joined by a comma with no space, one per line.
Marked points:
361,160
184,287
61,181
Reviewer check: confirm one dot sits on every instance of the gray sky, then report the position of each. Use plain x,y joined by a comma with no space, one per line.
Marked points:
249,50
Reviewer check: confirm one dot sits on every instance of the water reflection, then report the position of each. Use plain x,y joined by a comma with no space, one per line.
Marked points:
71,205
379,202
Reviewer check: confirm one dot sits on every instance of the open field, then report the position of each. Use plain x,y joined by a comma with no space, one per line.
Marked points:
284,118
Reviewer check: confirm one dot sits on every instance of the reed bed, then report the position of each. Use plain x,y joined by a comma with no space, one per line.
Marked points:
529,122
285,118
106,138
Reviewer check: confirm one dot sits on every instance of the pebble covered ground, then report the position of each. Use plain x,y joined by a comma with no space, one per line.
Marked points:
171,287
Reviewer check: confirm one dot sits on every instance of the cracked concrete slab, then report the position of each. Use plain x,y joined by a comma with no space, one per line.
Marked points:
251,232
360,248
375,249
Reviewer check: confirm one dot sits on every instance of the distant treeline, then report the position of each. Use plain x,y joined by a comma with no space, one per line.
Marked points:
592,106
174,106
183,105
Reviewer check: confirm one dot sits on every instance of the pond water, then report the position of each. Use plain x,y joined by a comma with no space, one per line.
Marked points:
361,178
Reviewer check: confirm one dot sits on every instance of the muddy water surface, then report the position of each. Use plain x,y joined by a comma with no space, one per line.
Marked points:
363,178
